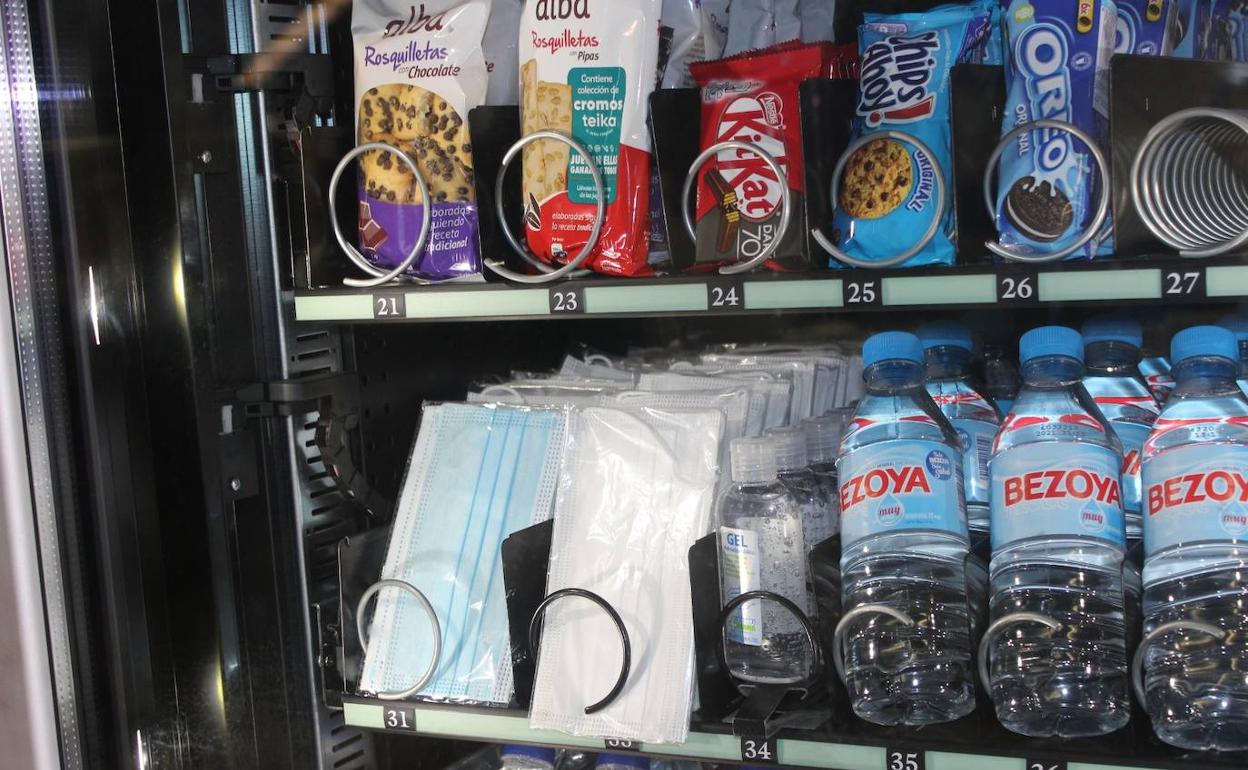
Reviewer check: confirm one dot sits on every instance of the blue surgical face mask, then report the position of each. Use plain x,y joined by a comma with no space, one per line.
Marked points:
478,473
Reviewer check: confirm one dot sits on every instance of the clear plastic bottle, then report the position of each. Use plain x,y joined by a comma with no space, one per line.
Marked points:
1196,543
823,441
905,545
622,762
947,347
793,470
762,548
1001,379
1238,324
1057,550
1111,354
516,757
1156,373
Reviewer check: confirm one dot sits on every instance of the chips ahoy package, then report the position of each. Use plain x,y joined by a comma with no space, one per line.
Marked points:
1057,67
1144,27
887,190
1194,23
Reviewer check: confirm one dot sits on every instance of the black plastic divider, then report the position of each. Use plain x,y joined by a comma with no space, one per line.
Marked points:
827,108
1143,90
494,130
526,560
675,117
320,262
360,557
977,98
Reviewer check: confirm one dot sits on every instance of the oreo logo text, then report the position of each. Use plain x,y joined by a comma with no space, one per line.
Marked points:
896,76
878,482
1062,484
1041,55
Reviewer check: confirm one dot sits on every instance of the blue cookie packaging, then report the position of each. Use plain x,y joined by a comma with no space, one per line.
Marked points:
1057,67
1144,27
887,192
1193,25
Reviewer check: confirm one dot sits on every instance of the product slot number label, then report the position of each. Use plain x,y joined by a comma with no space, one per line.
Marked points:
862,292
725,295
1018,288
387,307
1046,764
760,751
904,759
1188,283
567,300
619,746
399,718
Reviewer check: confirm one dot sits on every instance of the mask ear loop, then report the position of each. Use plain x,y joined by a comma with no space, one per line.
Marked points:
535,626
808,631
420,598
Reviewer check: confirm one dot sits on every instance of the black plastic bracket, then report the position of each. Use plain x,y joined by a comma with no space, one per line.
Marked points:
285,398
306,79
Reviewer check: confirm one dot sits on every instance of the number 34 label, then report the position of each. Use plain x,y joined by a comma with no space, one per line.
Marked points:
759,751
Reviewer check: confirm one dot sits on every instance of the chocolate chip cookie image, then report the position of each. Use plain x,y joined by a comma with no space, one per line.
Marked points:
878,177
1039,210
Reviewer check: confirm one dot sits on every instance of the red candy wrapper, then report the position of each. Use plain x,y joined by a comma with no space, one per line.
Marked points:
753,97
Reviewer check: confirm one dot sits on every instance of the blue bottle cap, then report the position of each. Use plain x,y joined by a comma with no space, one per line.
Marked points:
1204,341
888,346
1237,323
945,333
624,760
1113,328
1050,341
534,752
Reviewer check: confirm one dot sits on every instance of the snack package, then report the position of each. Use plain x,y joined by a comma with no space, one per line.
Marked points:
753,98
1058,67
694,39
587,69
499,46
1226,34
887,189
1144,27
1194,23
818,18
757,24
418,71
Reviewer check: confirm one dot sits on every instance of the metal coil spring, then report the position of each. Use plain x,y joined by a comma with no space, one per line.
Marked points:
1189,181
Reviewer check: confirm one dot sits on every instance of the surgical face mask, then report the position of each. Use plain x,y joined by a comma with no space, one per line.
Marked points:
636,491
676,381
575,367
553,395
802,373
777,387
733,404
478,473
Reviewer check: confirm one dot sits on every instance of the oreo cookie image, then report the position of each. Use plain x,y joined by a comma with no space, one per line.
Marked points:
1038,210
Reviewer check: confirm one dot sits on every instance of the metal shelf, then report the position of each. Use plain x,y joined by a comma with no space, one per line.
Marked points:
942,747
1135,280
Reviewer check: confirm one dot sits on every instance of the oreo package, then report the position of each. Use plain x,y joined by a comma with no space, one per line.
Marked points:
1144,27
1057,67
1227,30
1193,28
887,198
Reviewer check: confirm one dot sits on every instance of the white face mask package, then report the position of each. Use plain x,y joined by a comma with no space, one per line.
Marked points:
570,394
694,39
756,412
734,404
636,490
777,385
802,374
754,24
478,473
575,367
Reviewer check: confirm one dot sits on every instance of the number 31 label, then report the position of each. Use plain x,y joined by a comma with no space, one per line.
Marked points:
399,718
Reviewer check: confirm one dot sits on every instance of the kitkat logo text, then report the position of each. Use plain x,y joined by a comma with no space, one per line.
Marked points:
1077,484
754,119
878,482
1190,488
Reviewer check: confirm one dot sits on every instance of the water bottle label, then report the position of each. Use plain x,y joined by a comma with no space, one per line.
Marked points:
1056,489
976,437
1132,435
1196,493
899,485
742,569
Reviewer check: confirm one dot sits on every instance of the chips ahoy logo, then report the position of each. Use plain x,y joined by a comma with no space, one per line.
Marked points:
1041,55
878,482
896,76
1058,484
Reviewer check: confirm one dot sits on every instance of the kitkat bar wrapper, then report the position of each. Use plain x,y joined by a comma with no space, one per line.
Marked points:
753,98
587,68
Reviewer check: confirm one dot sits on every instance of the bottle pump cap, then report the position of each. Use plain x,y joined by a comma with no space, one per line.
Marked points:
823,436
1109,328
753,460
790,448
945,333
887,346
1204,341
1050,341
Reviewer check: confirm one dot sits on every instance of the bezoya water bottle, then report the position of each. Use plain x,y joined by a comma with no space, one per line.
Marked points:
1237,323
794,472
762,547
1195,473
947,347
906,632
1056,651
1111,351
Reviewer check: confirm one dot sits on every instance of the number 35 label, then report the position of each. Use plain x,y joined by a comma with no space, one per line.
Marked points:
904,759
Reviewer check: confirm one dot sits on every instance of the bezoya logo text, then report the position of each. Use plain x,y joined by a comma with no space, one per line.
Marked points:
1042,55
896,79
417,21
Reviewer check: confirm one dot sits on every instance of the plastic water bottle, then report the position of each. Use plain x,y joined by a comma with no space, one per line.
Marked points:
905,545
823,442
1196,548
1111,352
1000,377
516,757
622,762
762,547
1156,373
948,350
1238,324
1057,550
793,471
